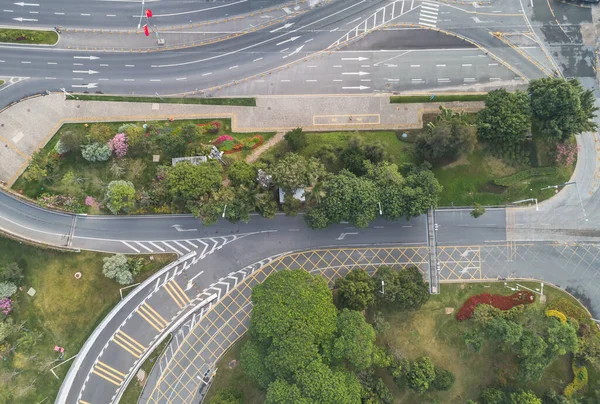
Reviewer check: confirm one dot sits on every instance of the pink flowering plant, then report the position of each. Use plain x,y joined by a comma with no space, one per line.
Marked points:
223,138
566,154
119,145
91,201
62,202
6,306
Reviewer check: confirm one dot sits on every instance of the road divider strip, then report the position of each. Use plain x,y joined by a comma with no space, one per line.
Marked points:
240,102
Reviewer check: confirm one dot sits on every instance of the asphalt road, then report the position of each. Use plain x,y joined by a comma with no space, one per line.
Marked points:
111,14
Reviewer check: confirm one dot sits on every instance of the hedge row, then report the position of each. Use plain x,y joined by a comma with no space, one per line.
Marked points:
555,313
498,301
525,174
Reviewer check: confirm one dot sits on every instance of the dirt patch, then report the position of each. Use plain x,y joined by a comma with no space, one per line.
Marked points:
493,188
588,34
463,161
498,167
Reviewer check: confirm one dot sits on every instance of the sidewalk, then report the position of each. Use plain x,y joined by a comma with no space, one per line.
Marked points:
29,125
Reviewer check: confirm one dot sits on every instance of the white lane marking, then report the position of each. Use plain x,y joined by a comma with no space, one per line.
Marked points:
308,40
157,246
50,78
51,63
258,43
467,65
143,246
415,65
110,15
77,78
427,19
337,65
353,21
154,79
311,81
365,80
8,11
130,246
444,80
492,64
59,13
77,64
256,60
416,79
34,12
128,79
1,61
337,80
468,79
207,74
312,66
182,246
440,65
85,15
424,7
285,81
233,67
335,29
103,79
181,78
103,65
392,80
190,243
495,78
129,65
431,4
24,61
195,11
426,13
172,248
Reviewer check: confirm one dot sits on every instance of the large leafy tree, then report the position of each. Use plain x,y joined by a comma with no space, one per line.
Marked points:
505,120
405,288
421,374
561,108
294,171
524,397
355,340
348,198
561,338
506,331
242,173
188,182
447,139
532,356
296,139
120,196
356,290
321,384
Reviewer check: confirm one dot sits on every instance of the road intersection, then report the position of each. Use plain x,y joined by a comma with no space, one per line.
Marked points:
335,48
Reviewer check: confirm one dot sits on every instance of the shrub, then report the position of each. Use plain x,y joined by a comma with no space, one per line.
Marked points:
491,395
226,146
566,153
444,379
96,152
222,138
580,380
5,306
525,174
120,196
61,148
62,202
500,302
557,314
12,273
7,289
569,309
117,268
100,133
72,140
296,139
421,374
119,145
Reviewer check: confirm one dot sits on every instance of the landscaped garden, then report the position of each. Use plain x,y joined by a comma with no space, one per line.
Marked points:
63,312
485,343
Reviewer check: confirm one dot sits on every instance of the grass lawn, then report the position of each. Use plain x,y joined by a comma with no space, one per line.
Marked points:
28,36
1,82
134,388
412,99
64,312
243,102
399,152
92,177
429,331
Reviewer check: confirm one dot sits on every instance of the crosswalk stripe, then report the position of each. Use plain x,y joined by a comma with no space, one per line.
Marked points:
431,4
427,20
143,246
130,246
180,292
425,12
429,25
172,248
182,246
192,244
423,8
173,296
157,246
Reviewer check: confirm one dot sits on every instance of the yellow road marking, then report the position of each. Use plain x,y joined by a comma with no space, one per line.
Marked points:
135,355
149,321
180,302
173,297
106,378
147,306
127,345
181,292
131,339
83,402
150,318
111,369
108,373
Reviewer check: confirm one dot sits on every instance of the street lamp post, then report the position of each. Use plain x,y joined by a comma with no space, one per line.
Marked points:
380,210
224,210
529,200
578,194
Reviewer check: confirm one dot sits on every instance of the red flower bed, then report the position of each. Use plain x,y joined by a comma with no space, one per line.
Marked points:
500,302
255,141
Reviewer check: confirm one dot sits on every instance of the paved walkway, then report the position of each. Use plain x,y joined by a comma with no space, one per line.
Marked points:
29,125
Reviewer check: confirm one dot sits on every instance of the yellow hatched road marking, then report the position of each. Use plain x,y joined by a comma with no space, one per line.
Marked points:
106,378
185,297
104,365
127,345
173,297
135,354
83,402
158,316
146,315
122,334
108,373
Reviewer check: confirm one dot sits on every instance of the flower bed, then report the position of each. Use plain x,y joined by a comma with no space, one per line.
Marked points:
211,127
557,314
498,301
229,145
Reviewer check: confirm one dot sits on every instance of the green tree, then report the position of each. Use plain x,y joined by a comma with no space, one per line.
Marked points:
349,198
316,218
117,268
241,173
446,140
551,397
290,353
354,341
120,196
188,182
252,359
353,156
294,171
227,396
282,392
506,331
291,205
100,133
505,120
421,374
296,139
532,356
491,395
72,140
477,211
189,132
404,289
211,210
561,339
444,379
12,273
323,385
8,330
265,204
524,397
356,290
561,108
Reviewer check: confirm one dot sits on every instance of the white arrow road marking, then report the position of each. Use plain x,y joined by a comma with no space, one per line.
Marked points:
356,73
86,57
343,235
294,52
360,58
191,281
356,88
284,27
21,19
85,71
90,85
178,228
27,4
292,39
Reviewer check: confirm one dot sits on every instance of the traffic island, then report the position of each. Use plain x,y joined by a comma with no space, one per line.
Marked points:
28,36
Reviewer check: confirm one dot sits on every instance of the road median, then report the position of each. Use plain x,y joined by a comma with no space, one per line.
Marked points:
240,102
28,36
413,99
